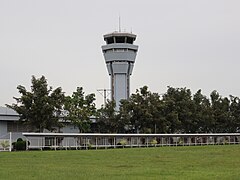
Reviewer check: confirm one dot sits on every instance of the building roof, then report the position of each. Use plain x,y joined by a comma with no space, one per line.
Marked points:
7,111
8,114
126,135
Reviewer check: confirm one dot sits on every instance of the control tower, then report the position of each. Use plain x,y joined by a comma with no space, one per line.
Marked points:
120,53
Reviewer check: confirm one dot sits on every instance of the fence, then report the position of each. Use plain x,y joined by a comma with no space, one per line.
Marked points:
96,141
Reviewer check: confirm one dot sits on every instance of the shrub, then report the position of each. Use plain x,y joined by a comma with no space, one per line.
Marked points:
153,142
180,141
20,144
89,145
19,139
123,142
5,144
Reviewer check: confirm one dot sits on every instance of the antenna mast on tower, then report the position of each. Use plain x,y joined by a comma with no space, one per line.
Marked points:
119,23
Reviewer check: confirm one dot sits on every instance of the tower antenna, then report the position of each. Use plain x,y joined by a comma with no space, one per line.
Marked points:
119,23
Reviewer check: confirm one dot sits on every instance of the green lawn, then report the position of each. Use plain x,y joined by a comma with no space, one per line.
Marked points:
200,162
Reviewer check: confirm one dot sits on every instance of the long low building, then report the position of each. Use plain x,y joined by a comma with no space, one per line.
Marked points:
98,140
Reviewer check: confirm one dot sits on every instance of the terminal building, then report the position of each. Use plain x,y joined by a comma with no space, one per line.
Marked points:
9,122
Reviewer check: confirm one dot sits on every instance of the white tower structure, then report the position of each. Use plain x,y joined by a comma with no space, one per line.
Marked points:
120,53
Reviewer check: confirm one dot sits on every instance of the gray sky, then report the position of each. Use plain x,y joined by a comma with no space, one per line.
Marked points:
182,43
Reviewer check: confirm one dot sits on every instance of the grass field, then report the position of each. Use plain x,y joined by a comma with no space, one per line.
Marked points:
193,162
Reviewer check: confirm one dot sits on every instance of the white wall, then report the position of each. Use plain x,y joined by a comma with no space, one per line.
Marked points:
3,129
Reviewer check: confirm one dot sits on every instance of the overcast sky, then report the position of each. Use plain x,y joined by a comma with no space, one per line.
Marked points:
182,43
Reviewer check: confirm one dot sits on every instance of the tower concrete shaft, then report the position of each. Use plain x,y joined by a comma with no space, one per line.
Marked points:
120,53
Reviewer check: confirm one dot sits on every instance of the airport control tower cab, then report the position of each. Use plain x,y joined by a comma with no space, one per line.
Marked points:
120,53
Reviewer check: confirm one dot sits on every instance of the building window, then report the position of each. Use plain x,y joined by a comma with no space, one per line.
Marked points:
15,126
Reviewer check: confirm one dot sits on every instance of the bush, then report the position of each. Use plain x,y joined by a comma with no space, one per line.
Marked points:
123,142
19,139
5,144
153,142
20,145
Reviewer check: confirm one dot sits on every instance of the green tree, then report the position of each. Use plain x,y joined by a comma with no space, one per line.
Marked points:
109,120
178,110
155,121
141,111
80,108
138,110
41,107
234,124
202,113
220,108
158,123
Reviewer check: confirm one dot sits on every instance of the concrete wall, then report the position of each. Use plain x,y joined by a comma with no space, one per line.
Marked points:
3,129
69,128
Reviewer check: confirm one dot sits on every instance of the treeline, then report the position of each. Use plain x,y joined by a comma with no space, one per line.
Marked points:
176,111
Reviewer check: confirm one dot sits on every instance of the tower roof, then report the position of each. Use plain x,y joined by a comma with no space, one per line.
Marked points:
119,34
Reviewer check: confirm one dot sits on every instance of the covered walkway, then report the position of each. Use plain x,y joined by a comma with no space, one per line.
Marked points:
95,141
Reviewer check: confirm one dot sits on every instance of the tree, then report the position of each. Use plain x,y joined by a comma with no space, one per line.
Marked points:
109,120
234,124
202,113
141,111
178,110
80,108
137,108
220,108
159,123
41,107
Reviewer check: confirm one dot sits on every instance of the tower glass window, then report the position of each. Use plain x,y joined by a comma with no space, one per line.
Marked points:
129,40
110,40
120,39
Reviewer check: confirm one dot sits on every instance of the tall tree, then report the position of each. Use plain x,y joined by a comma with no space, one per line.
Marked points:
202,113
141,109
80,108
41,107
178,109
220,112
109,120
158,123
234,123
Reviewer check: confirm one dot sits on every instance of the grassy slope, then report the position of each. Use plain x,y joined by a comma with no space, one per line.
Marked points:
206,162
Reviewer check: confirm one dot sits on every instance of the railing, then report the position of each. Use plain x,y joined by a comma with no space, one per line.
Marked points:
95,141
